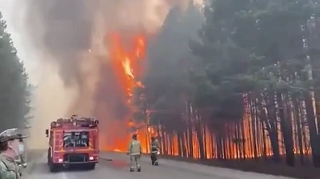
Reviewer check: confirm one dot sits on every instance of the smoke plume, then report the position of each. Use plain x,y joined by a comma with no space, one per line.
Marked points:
74,74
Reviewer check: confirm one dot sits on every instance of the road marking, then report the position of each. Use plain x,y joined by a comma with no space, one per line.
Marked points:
64,176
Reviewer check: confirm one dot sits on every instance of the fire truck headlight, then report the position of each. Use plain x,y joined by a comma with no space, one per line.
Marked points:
91,158
60,160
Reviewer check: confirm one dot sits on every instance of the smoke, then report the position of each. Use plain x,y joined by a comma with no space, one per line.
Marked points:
74,75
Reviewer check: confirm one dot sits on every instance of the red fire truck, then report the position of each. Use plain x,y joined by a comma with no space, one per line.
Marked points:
73,142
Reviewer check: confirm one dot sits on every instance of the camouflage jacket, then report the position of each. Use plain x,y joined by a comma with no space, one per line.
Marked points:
134,147
8,168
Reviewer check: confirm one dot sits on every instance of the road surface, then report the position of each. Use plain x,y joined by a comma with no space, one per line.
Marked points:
118,168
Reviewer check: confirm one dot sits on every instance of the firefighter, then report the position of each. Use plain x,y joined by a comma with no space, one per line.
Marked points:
11,148
134,150
155,148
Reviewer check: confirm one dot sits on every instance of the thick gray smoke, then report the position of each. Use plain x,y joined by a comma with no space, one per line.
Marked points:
69,37
66,29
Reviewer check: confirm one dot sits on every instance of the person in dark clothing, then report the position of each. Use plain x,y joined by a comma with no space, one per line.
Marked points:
155,148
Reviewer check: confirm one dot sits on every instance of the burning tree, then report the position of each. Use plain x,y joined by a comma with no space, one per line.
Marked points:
250,88
126,57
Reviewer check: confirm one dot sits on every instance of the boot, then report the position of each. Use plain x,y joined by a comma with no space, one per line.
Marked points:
152,161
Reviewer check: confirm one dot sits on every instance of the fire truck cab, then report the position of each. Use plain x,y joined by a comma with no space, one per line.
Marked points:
73,141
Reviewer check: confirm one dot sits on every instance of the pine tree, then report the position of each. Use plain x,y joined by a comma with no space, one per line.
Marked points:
14,94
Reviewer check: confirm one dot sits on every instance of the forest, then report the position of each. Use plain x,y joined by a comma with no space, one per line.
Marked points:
14,86
236,80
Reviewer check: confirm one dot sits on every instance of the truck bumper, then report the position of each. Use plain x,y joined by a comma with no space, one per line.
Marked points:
71,163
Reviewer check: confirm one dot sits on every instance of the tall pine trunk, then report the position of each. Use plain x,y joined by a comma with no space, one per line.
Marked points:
270,122
296,105
286,128
314,137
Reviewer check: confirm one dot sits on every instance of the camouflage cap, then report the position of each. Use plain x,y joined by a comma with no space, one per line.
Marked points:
11,134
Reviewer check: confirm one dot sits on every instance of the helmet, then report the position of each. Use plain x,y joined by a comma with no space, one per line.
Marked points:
134,136
153,138
11,134
74,116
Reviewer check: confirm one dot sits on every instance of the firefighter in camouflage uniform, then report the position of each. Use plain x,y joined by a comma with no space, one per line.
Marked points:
11,148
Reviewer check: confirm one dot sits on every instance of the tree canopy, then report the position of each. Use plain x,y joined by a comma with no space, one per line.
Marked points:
14,94
253,66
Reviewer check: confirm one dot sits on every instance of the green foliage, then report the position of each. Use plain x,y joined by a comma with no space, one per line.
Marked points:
248,46
266,50
14,94
243,47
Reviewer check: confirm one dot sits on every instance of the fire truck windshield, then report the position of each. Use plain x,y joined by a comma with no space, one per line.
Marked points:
76,139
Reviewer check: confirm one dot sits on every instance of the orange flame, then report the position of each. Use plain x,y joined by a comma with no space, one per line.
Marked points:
125,57
126,54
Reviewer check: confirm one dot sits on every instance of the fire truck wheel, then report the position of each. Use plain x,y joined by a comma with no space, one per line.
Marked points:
54,168
91,166
48,156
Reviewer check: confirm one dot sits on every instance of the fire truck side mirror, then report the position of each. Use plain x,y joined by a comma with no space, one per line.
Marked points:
47,133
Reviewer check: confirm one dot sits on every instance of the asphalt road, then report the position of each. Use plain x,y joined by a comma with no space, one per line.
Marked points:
116,166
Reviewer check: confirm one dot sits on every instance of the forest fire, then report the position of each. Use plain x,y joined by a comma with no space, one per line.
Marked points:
105,78
126,54
245,139
240,140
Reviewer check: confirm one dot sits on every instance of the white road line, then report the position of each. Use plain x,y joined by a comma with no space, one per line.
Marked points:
64,176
